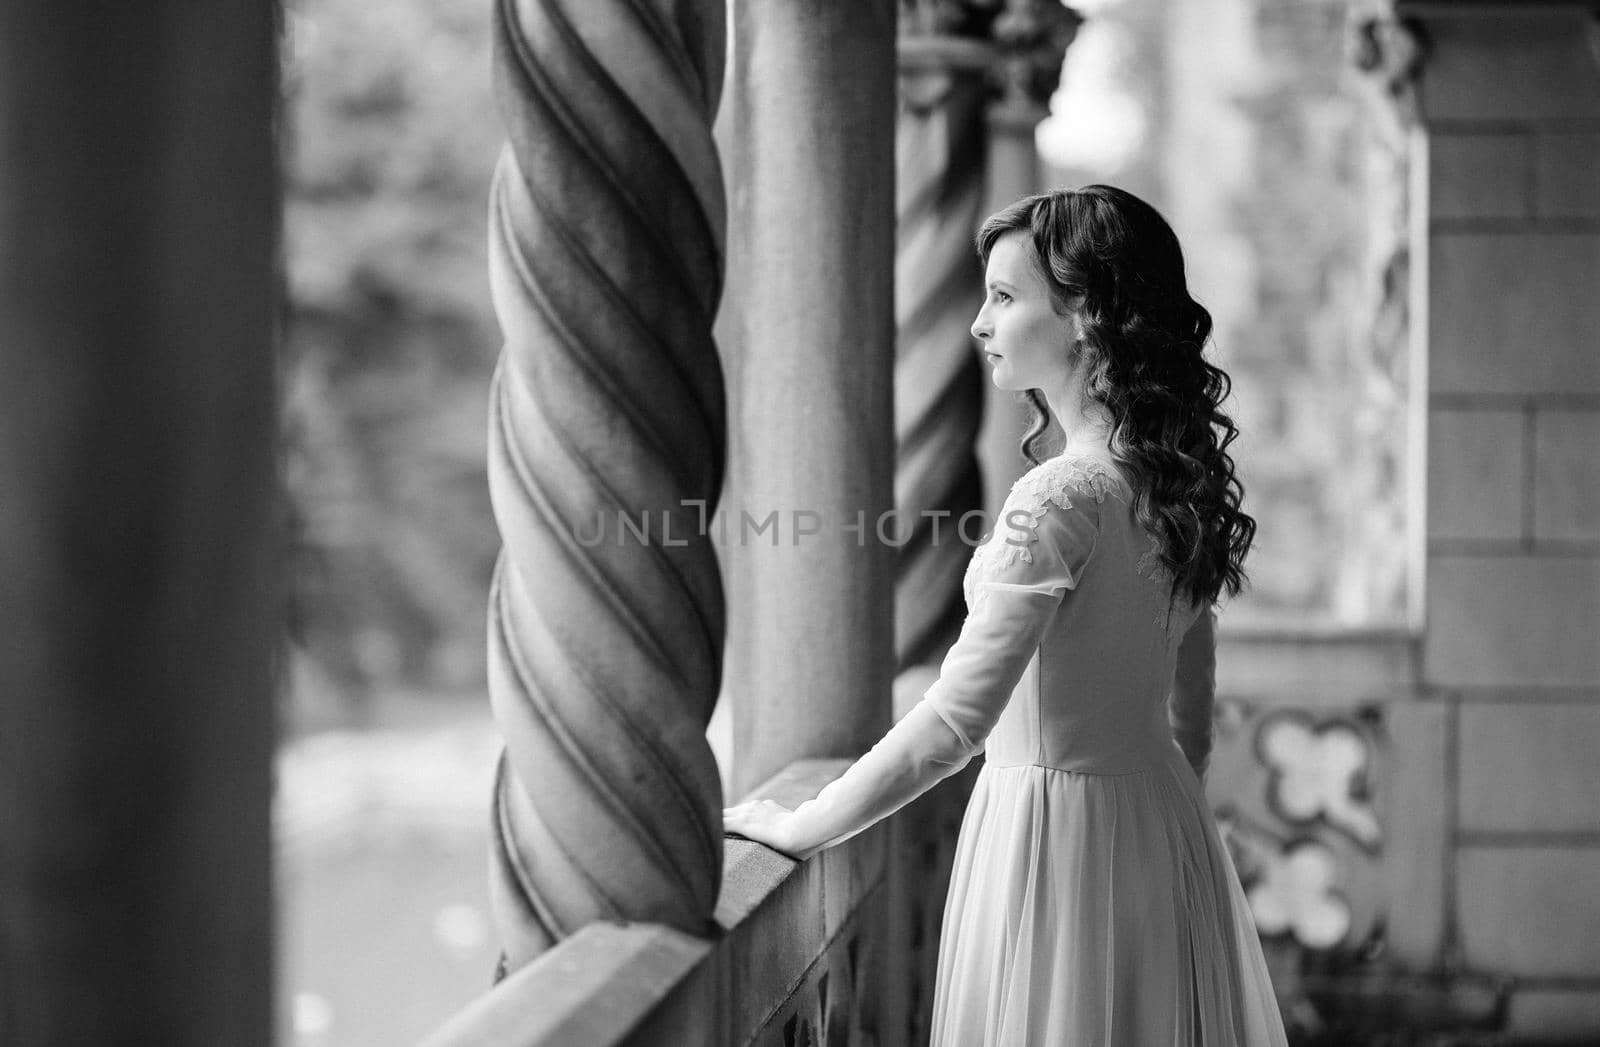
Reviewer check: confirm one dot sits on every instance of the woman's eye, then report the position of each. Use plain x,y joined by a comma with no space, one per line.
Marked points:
1001,296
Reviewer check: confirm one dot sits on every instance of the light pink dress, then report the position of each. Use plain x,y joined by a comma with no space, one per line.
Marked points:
1092,902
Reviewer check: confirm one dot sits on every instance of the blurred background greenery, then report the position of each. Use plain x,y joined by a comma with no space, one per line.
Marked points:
390,137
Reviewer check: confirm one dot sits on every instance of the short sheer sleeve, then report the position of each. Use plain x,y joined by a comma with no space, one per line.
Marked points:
1046,536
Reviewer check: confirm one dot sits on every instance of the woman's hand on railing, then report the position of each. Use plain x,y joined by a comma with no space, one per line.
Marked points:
766,822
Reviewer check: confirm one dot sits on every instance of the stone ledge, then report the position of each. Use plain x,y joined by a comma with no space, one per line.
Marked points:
751,873
610,983
593,988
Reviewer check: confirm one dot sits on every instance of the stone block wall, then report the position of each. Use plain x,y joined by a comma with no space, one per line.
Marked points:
1510,98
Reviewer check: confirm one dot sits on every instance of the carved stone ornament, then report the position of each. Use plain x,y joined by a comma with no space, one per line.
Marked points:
968,18
1019,44
1032,37
1389,49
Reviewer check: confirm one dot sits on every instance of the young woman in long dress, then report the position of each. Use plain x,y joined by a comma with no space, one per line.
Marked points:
1092,901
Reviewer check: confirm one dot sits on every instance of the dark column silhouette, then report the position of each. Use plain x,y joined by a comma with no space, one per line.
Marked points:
138,598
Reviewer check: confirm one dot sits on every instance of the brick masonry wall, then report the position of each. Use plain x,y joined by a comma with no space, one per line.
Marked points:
1511,104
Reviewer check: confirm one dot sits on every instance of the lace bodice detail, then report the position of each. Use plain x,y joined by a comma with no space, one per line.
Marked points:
1056,482
1066,482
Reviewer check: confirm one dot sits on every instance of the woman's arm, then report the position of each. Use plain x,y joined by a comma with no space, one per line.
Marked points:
916,754
934,740
1013,605
1194,690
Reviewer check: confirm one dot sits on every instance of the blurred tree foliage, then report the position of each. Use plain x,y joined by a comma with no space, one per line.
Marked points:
389,139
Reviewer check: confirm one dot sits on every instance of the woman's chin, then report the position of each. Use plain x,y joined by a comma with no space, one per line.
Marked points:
1002,379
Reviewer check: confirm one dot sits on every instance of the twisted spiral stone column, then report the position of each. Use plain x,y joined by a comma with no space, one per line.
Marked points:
938,391
606,626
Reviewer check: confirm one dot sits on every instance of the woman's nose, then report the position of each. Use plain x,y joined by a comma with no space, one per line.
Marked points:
980,326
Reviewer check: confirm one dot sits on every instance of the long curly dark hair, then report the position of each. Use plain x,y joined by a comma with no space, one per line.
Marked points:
1113,259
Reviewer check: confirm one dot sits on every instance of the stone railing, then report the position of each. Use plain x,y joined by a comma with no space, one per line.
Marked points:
788,966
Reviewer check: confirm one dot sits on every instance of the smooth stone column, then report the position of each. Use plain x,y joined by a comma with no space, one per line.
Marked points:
807,135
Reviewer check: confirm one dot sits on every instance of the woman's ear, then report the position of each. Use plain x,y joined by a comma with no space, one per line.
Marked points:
1075,336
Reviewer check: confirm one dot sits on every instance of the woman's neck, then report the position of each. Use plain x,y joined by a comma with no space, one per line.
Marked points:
1083,423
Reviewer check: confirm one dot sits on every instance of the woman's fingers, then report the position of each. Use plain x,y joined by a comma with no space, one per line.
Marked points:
758,820
754,808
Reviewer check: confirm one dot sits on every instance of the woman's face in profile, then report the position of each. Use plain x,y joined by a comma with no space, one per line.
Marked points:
1027,343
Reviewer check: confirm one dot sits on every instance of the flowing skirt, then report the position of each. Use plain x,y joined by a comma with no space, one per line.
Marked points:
1091,909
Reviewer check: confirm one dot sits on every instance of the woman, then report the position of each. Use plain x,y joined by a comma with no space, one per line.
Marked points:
1092,901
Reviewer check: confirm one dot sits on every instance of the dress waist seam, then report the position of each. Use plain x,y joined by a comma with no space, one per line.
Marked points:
1146,769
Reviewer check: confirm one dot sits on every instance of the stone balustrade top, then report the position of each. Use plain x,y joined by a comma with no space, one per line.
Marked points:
620,983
